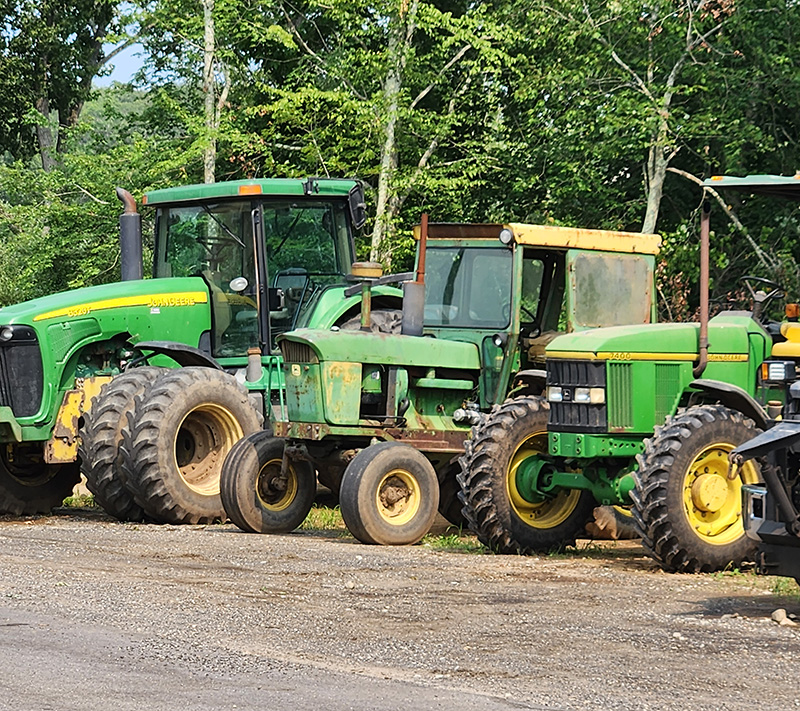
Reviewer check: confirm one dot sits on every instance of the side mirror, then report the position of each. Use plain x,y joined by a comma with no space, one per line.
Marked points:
358,207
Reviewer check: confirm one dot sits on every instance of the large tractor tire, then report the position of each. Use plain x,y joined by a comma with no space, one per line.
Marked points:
495,510
101,435
29,486
687,509
381,321
255,495
389,495
449,489
179,436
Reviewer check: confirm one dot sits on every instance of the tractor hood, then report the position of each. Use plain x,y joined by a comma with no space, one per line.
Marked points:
149,294
727,334
389,349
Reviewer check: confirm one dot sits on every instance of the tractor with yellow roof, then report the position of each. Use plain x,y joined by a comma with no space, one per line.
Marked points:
385,416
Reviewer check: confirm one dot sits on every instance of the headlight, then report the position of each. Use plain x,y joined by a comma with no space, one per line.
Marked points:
554,394
593,396
775,371
6,333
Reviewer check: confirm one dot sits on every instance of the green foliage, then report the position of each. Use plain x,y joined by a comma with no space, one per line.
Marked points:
507,111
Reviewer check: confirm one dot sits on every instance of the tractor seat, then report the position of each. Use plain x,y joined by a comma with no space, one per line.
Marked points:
790,348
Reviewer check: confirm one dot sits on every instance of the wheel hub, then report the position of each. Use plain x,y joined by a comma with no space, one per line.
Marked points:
275,491
709,492
398,497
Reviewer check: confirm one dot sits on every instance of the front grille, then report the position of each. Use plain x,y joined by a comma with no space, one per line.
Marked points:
21,372
294,352
570,416
620,396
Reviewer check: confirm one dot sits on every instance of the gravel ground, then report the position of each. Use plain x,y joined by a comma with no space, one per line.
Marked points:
95,614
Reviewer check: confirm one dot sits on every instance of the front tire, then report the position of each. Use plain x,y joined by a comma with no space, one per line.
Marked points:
688,512
497,513
256,498
181,432
389,495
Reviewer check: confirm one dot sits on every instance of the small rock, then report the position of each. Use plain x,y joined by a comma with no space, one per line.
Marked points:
779,615
349,584
786,622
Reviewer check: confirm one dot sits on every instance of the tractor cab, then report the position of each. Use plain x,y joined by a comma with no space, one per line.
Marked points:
511,289
266,250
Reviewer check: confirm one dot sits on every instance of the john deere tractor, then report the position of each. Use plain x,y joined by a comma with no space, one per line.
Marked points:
146,384
384,417
644,416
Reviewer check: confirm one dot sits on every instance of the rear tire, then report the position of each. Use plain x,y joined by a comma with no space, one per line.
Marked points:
180,434
29,486
101,435
688,511
253,494
449,489
389,495
497,513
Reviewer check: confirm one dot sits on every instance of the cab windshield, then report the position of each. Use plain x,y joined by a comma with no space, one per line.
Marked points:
307,245
468,287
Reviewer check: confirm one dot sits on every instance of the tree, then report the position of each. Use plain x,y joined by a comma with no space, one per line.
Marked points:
414,85
53,51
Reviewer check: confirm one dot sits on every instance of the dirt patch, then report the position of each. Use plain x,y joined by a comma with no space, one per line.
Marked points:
599,627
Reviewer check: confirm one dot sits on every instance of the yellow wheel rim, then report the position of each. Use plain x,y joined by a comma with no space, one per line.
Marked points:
712,502
398,497
545,514
204,438
276,494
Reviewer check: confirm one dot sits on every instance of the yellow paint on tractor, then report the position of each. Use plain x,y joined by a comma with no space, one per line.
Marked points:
626,356
62,447
552,236
183,298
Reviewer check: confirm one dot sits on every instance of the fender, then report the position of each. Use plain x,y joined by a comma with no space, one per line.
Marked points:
182,354
735,398
532,379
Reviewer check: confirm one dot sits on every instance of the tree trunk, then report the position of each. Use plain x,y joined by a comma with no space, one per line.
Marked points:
386,210
210,151
44,135
655,172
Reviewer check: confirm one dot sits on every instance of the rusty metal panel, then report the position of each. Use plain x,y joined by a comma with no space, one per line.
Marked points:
341,383
609,289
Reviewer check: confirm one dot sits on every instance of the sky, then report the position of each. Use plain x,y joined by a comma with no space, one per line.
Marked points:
126,63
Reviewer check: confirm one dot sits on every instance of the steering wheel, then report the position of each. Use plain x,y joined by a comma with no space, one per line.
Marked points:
761,302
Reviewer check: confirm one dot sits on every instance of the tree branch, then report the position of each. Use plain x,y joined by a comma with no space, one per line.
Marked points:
456,58
766,262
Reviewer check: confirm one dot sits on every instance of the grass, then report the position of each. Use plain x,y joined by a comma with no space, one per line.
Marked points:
324,518
81,501
457,542
786,587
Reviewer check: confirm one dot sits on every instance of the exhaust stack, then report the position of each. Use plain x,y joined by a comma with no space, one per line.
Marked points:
705,220
130,238
414,291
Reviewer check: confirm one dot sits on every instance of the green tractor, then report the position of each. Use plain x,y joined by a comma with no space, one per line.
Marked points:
382,418
642,417
146,384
